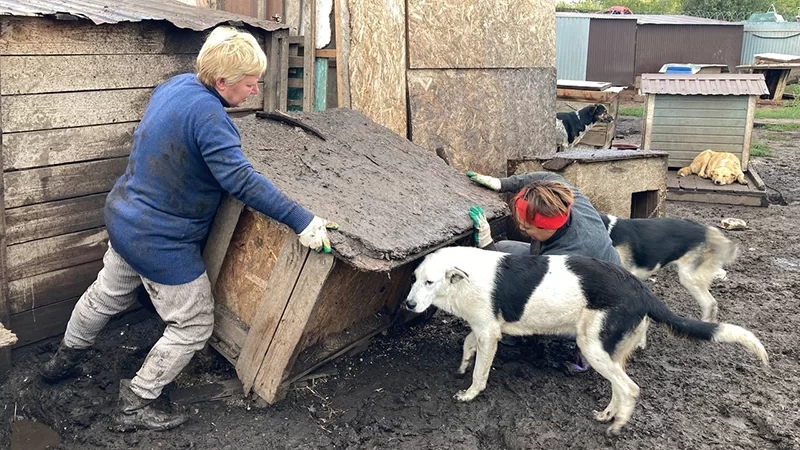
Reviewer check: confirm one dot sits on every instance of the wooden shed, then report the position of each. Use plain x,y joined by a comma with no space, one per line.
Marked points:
282,311
623,183
75,77
686,114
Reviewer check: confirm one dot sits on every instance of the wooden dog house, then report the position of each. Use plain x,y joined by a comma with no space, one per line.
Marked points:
623,183
686,114
572,95
281,310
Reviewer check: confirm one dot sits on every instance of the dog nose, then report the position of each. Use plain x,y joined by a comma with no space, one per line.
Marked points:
410,304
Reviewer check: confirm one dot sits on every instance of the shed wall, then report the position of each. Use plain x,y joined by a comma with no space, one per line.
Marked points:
572,46
71,95
684,126
611,51
657,45
768,37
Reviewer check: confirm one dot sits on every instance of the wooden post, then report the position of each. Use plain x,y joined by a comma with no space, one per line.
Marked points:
649,112
219,237
309,49
5,353
342,27
283,76
748,131
272,78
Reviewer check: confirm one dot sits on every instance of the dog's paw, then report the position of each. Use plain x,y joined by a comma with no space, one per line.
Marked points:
465,396
459,373
605,415
613,430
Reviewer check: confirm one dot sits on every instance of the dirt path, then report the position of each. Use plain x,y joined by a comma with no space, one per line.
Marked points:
398,394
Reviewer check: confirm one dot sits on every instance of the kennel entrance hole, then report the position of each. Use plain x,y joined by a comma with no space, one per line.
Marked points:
643,204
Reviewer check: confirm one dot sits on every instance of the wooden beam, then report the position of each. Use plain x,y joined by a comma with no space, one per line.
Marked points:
273,72
748,132
283,349
342,27
43,220
51,287
41,323
309,44
220,236
55,253
271,308
585,96
283,79
5,353
649,113
325,53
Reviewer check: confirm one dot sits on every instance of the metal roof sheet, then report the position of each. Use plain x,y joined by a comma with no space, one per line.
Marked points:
704,84
114,11
652,19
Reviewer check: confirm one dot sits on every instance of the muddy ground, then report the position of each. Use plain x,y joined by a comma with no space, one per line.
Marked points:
398,393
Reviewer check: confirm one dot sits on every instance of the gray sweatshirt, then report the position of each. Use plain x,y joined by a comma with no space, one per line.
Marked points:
584,233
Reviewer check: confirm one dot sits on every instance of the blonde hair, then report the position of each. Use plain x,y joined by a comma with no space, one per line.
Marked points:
229,54
547,198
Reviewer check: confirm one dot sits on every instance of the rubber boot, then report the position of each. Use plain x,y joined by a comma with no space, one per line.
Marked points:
579,365
63,364
137,413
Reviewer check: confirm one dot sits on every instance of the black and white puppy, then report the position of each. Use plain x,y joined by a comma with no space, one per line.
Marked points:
698,251
572,126
600,303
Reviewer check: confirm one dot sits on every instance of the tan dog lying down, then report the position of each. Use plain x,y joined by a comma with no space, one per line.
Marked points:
719,167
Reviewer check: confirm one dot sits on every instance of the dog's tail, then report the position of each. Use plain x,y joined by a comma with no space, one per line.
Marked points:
726,251
707,331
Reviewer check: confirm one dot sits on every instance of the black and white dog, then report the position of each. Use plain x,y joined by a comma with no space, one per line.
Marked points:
600,303
572,126
698,251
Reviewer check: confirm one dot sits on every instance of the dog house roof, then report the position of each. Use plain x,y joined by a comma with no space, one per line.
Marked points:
114,11
394,200
704,84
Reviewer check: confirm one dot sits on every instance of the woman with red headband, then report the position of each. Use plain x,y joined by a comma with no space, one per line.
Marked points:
557,217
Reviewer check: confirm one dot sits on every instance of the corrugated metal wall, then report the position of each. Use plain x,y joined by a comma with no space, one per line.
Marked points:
684,126
770,37
572,43
657,45
611,51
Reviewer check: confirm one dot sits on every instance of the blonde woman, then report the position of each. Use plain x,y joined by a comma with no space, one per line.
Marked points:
186,155
555,215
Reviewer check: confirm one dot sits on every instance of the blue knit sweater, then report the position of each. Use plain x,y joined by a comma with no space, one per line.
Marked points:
186,154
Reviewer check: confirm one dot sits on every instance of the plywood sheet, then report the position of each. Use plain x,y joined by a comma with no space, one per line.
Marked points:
394,200
484,117
481,34
377,61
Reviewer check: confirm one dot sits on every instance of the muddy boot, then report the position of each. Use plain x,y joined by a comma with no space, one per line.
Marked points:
578,365
63,364
136,413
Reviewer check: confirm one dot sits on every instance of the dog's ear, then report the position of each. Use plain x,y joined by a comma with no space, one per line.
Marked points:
454,275
593,109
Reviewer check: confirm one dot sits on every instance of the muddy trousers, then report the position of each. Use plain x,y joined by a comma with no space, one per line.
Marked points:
187,309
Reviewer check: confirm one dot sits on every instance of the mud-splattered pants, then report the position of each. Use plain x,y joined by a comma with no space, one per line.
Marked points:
187,309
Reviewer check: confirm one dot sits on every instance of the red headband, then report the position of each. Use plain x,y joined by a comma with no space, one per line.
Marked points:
539,221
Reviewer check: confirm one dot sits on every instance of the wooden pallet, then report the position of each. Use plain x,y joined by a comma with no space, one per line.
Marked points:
695,189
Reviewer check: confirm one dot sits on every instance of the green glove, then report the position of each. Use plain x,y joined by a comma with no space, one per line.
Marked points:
483,233
484,180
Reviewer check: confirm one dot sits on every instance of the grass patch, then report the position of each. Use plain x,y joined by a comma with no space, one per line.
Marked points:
759,149
631,111
781,126
788,111
779,137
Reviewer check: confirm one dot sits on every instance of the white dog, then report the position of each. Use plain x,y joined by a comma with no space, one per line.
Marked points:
602,304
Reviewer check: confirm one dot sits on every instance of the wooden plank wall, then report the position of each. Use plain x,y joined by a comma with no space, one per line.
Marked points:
684,126
71,95
482,87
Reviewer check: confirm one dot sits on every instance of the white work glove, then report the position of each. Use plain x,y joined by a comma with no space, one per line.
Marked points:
485,180
315,235
483,233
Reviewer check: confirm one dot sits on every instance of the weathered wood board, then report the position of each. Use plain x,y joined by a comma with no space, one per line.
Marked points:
377,61
484,117
480,34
